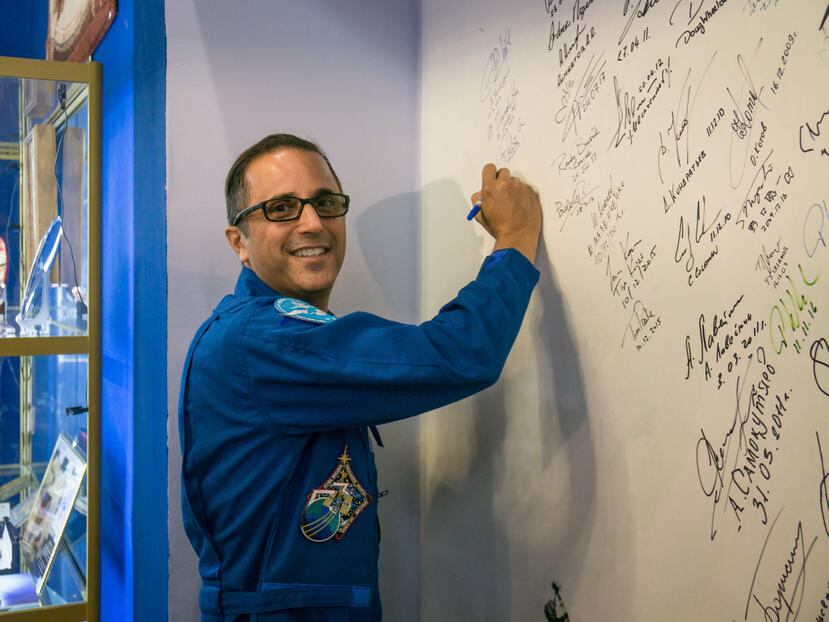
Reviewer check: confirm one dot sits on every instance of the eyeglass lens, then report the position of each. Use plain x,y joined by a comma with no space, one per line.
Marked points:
288,208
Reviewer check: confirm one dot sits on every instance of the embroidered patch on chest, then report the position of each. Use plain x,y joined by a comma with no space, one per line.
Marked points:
301,310
334,506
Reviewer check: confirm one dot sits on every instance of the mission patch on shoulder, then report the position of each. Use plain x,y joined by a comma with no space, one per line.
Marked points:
301,310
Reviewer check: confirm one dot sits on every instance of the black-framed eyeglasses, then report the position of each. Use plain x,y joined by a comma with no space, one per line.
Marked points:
285,208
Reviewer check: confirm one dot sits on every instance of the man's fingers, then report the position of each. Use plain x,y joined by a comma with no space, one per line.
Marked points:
503,173
476,198
482,221
488,174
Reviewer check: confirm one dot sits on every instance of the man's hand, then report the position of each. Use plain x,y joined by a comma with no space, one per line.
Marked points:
510,211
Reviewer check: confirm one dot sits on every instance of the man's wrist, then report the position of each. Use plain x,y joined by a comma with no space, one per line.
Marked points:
527,245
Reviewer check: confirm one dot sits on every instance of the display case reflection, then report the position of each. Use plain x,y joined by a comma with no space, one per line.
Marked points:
44,289
43,482
44,217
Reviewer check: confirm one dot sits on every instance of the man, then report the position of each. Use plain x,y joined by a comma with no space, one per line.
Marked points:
278,395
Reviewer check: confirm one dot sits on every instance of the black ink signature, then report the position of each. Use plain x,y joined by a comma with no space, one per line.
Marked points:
638,11
824,28
824,490
821,213
580,199
551,7
631,111
638,320
825,17
764,264
742,121
557,29
820,366
699,28
579,162
579,9
711,475
782,601
813,135
692,12
680,120
571,111
750,199
700,229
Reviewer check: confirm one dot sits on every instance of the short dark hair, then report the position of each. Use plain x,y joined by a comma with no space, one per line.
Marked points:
236,188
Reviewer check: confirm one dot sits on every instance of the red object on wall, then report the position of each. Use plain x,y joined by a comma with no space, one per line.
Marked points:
76,27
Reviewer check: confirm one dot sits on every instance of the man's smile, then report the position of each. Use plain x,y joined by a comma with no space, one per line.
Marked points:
309,251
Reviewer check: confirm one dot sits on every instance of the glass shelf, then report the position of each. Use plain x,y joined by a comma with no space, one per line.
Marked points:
49,339
44,205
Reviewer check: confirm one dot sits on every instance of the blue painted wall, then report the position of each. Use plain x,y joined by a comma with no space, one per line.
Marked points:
134,470
23,30
134,555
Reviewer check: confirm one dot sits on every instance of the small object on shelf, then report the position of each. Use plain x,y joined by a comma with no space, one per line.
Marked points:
9,549
34,310
42,532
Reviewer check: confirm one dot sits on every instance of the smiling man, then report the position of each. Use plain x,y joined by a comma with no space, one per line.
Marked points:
300,260
280,398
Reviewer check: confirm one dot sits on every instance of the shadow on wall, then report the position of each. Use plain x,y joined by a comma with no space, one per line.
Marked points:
563,420
466,543
388,236
471,542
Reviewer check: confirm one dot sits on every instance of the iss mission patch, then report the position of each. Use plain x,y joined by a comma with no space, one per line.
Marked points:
334,506
301,310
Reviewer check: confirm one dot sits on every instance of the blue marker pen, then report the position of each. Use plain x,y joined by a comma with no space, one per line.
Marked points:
474,211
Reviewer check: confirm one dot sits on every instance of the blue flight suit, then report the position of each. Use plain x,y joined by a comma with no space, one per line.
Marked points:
279,485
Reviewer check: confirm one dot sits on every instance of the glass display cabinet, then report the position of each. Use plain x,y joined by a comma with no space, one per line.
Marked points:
49,339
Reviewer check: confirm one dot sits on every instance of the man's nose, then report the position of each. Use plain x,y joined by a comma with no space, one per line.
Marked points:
308,218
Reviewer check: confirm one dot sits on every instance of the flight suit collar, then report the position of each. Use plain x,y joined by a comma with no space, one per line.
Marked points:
248,284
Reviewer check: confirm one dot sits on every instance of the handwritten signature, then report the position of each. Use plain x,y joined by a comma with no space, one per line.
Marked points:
813,135
678,130
743,114
824,488
495,64
744,451
632,108
773,262
639,11
579,162
813,226
638,322
754,194
819,353
713,464
824,28
575,105
788,315
784,601
699,27
575,204
684,238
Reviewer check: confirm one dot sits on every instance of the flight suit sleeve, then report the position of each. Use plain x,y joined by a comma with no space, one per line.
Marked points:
362,369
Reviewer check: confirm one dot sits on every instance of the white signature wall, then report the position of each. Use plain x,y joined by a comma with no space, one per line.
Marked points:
659,442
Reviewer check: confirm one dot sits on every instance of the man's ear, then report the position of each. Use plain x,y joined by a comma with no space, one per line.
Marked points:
238,242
